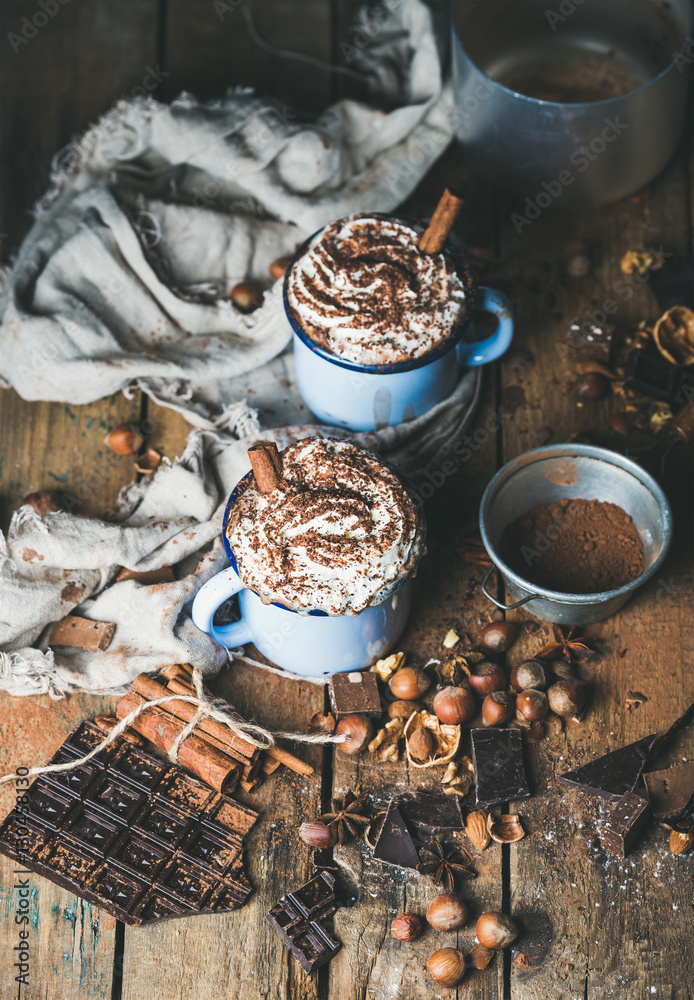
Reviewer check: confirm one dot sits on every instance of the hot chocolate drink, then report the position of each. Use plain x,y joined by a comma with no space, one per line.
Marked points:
364,291
338,533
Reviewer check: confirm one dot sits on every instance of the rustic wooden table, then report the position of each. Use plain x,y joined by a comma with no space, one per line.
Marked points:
592,927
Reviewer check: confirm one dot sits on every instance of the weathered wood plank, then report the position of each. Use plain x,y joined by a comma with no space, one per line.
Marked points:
593,925
212,46
239,953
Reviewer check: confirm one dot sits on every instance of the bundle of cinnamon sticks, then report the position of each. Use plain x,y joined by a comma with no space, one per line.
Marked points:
213,753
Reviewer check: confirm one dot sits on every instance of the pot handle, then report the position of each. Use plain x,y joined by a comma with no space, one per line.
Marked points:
504,607
213,593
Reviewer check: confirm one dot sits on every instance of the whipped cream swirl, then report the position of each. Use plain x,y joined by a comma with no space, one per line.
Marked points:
338,533
364,291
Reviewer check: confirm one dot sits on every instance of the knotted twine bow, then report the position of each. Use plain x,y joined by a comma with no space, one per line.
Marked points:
206,709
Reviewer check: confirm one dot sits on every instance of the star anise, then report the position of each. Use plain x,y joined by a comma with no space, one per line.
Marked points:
443,865
567,645
346,815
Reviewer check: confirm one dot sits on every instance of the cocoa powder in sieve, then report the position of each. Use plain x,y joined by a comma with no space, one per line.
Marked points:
574,546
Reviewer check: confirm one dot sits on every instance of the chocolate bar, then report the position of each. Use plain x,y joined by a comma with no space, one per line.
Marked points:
131,833
613,774
355,693
300,920
432,814
669,790
651,375
82,633
586,341
394,844
497,756
625,824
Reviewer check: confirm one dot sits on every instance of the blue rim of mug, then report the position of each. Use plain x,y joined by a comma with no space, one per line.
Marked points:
462,269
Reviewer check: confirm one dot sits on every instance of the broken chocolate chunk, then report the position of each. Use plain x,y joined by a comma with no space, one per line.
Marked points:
497,756
394,845
322,860
432,814
355,693
650,375
300,920
613,774
669,790
625,824
586,341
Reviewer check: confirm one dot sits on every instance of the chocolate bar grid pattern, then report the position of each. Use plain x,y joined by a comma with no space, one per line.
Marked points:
131,833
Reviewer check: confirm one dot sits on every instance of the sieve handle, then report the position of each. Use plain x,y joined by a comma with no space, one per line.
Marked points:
504,607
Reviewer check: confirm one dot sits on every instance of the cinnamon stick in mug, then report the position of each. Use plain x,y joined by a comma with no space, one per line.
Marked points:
433,239
267,465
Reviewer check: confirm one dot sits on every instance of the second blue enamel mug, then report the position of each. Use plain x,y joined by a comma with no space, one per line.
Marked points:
369,397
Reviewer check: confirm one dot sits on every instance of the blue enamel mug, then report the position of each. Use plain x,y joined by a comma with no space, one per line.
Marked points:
368,397
314,644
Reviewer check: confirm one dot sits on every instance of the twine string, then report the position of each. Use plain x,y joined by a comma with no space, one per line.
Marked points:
206,709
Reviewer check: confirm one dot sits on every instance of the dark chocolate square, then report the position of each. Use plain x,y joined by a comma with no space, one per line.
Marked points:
85,738
497,756
166,825
77,781
117,887
186,883
625,824
157,906
67,860
48,805
355,693
230,815
208,849
93,830
139,767
141,856
117,799
184,791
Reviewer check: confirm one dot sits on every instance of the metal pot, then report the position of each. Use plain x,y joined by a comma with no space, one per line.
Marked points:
565,472
577,103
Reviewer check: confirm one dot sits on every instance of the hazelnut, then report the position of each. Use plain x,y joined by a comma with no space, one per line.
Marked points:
532,705
454,705
488,677
409,683
496,931
279,266
406,927
357,729
316,834
402,709
421,744
592,386
44,502
480,957
446,966
497,708
124,439
576,260
447,912
566,697
498,637
246,296
529,674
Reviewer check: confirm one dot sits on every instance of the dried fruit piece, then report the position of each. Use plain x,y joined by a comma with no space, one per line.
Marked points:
446,738
386,668
640,261
450,639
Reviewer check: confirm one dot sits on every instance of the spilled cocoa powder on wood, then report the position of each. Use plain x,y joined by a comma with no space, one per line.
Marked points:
574,546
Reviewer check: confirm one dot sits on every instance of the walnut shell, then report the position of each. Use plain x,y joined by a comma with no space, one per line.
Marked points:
446,738
674,336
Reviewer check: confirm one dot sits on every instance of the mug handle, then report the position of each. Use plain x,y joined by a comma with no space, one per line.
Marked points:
213,593
484,351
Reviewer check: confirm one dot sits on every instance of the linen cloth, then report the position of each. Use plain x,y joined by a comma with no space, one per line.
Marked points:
123,282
